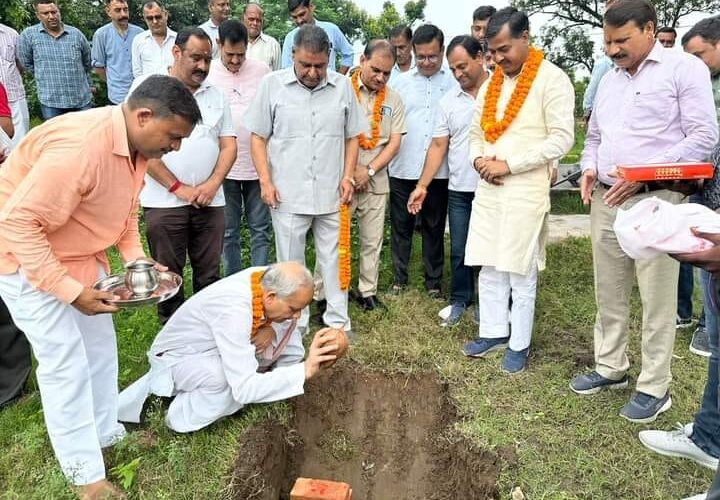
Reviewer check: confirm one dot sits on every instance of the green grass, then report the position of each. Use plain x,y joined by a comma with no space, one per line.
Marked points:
573,155
567,446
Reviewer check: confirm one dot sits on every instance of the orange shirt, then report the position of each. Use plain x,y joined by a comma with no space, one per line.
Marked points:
67,193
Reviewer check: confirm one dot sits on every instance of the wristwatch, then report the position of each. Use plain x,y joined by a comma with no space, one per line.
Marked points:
371,171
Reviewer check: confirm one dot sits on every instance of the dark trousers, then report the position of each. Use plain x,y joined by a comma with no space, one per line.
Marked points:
461,276
432,218
178,233
686,283
15,361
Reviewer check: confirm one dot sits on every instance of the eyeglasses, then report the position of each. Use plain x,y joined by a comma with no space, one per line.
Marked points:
430,59
152,19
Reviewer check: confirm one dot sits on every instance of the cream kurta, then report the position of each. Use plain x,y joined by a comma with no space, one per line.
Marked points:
507,220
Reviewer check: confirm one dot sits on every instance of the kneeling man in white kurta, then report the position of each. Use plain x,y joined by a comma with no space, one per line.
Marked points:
523,123
217,353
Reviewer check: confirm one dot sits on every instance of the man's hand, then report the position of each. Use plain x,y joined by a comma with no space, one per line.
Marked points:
205,192
320,352
491,170
416,199
269,194
621,191
361,177
707,259
187,194
587,184
553,175
346,191
263,338
91,302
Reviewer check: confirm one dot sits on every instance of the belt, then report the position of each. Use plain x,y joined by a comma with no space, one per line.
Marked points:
647,187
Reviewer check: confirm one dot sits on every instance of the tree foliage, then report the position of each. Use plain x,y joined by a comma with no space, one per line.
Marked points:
565,37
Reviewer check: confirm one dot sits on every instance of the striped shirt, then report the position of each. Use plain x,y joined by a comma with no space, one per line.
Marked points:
61,65
9,74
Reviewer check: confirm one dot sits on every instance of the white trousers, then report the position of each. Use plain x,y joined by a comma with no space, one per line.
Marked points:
76,372
290,236
20,118
494,291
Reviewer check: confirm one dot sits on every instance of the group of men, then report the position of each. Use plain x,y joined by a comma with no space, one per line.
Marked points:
215,130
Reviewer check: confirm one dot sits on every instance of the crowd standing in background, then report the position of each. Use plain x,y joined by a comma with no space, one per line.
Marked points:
220,131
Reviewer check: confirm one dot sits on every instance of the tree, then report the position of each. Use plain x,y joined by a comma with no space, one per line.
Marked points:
565,36
380,26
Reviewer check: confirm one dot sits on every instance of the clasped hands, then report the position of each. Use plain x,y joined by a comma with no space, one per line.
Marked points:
491,169
198,196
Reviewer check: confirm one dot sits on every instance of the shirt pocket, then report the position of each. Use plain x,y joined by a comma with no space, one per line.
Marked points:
651,110
7,52
330,122
291,121
211,119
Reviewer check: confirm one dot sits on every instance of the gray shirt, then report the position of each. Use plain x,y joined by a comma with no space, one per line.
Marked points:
306,131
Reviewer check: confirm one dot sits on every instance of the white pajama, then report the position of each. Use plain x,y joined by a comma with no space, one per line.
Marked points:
76,372
290,235
494,291
20,119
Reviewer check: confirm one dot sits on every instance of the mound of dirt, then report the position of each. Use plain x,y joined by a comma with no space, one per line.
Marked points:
388,436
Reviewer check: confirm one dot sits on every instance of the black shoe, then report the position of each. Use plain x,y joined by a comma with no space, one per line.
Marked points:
370,303
320,308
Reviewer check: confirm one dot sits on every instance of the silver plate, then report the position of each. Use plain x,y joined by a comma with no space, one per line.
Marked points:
169,285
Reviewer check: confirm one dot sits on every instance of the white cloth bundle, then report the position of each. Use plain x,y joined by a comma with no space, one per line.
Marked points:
653,227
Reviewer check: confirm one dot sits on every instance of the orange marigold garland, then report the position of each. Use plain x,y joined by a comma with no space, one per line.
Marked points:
490,125
258,316
366,143
344,247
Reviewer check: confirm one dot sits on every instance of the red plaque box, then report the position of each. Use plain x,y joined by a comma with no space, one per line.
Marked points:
666,172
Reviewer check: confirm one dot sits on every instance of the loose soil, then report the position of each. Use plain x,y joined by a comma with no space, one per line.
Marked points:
390,437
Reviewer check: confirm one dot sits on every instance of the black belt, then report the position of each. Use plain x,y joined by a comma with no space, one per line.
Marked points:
648,186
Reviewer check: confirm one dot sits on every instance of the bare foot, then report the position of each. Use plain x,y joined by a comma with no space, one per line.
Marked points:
100,490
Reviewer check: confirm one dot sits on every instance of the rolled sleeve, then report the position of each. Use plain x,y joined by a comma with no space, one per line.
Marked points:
97,54
356,121
442,125
344,48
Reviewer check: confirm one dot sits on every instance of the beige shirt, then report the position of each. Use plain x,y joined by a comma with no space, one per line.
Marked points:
266,49
508,221
392,122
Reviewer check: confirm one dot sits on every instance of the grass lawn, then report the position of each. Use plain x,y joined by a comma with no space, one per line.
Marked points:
566,446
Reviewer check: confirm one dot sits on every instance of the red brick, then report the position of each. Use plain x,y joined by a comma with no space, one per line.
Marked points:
318,489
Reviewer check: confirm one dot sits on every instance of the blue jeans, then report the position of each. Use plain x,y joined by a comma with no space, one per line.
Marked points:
243,197
461,276
706,431
50,112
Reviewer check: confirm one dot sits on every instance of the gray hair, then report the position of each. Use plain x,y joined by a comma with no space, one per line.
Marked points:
311,38
284,282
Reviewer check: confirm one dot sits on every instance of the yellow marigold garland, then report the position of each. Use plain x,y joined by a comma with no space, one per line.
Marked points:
344,247
257,302
490,125
366,143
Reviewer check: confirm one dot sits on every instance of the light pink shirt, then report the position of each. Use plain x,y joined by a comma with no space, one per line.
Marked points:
239,89
665,112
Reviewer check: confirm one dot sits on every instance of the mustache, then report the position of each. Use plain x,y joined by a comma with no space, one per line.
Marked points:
618,56
200,72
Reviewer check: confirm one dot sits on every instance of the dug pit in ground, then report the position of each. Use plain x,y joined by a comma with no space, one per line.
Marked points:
390,437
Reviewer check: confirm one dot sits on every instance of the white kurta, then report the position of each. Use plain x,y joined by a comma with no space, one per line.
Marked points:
203,356
507,220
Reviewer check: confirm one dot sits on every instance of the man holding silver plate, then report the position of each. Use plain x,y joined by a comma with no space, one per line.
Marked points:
67,193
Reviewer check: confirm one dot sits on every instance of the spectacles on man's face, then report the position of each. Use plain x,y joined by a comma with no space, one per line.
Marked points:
431,59
153,19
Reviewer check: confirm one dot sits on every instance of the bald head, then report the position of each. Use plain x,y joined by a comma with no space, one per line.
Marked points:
286,278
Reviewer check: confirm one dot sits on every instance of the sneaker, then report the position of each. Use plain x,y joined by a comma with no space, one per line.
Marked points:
700,344
480,347
682,322
677,443
456,312
643,408
515,361
593,382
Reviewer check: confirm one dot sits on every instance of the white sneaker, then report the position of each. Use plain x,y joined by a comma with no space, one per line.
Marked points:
701,496
677,443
